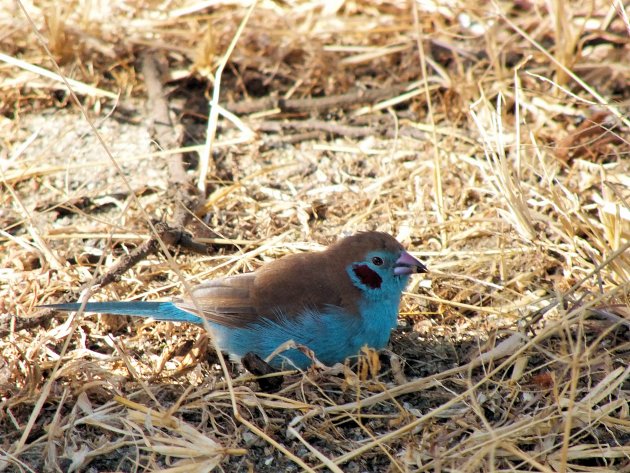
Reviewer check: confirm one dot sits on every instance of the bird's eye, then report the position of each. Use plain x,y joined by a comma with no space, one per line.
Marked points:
377,261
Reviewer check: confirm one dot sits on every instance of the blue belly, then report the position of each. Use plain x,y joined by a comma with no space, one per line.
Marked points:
333,335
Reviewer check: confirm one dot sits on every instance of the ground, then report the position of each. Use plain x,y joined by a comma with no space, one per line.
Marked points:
497,154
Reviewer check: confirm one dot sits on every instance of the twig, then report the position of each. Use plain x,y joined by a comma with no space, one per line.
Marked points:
167,137
384,130
357,96
169,235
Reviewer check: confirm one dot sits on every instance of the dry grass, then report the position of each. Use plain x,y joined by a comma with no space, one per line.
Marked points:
504,164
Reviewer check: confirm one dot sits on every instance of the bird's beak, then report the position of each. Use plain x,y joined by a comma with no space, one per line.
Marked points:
407,264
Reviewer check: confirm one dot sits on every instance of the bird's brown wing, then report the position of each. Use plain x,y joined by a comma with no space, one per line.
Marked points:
227,301
282,288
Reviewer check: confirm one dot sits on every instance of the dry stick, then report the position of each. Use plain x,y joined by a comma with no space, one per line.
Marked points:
338,129
317,125
319,103
275,142
168,138
168,235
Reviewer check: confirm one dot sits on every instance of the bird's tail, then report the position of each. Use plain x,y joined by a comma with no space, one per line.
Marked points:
166,311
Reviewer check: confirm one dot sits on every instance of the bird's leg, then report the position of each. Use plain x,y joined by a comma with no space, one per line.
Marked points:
259,367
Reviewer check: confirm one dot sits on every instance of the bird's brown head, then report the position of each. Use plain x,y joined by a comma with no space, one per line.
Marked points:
371,257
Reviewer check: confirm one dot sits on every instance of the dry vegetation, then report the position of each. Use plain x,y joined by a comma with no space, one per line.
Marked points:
498,153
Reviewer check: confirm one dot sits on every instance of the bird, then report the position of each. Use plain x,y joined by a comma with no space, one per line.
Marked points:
333,302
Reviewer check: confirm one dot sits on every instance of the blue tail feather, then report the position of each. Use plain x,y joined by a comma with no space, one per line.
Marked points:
166,311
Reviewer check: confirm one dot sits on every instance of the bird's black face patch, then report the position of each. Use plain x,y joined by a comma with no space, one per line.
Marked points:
367,276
